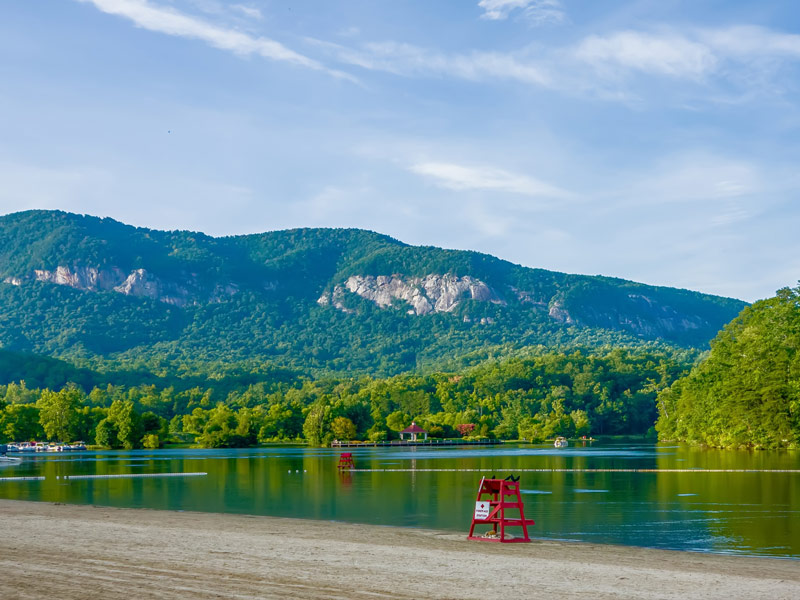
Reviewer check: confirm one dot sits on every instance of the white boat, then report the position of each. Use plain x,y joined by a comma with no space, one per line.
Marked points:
561,442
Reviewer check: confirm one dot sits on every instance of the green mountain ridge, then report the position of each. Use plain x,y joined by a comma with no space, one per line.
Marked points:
318,300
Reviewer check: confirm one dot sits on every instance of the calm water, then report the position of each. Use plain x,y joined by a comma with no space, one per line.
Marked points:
737,513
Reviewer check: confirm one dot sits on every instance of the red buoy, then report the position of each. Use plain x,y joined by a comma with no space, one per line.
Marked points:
495,497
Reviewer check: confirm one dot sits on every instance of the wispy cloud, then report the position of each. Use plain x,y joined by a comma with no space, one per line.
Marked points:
751,41
614,66
484,178
223,9
736,55
658,54
248,11
715,65
413,61
699,177
169,21
538,12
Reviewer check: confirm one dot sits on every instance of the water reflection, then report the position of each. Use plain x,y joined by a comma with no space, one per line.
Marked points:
746,513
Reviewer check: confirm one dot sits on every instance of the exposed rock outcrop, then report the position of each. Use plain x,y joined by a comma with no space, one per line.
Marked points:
528,297
82,278
142,284
139,282
559,313
432,293
635,313
640,315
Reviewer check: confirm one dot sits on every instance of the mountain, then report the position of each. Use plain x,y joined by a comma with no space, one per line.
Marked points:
81,287
746,393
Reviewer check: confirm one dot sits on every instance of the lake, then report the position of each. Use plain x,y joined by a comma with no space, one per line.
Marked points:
754,513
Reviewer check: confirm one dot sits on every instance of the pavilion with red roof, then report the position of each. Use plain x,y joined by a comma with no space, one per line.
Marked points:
413,431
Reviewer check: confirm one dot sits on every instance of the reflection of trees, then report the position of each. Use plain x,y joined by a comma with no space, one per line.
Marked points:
752,508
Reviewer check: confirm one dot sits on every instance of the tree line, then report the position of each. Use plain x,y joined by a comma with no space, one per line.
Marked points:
533,397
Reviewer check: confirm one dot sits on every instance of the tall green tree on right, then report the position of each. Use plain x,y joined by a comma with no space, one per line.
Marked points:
746,393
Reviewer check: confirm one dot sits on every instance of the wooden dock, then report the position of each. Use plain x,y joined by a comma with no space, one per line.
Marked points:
406,443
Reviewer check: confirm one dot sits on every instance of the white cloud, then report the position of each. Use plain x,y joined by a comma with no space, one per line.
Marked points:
483,178
738,54
410,61
538,12
248,11
660,54
613,67
163,19
751,41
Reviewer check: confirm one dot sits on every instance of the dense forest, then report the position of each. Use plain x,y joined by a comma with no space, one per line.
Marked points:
746,393
104,295
126,336
533,397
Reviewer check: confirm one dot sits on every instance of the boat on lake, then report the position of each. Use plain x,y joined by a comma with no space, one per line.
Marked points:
44,447
561,442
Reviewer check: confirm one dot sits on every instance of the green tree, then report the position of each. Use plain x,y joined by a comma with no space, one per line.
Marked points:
343,428
222,430
317,426
19,423
580,422
106,434
151,441
128,423
397,421
283,421
57,413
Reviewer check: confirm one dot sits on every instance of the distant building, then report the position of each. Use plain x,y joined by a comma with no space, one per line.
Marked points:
413,431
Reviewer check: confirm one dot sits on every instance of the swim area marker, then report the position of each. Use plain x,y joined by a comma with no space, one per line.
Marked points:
574,470
131,475
120,476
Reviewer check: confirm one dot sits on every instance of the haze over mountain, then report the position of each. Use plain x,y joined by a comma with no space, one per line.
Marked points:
318,299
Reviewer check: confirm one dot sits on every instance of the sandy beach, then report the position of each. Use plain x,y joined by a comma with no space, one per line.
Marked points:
85,552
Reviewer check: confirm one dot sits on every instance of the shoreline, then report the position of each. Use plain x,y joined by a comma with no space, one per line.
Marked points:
84,551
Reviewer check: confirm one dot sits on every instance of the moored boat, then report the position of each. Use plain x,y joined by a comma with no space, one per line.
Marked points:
561,442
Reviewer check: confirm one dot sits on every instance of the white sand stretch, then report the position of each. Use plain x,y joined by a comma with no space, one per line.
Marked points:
70,552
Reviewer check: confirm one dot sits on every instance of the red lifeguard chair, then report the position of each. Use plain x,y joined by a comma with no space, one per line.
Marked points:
495,497
346,461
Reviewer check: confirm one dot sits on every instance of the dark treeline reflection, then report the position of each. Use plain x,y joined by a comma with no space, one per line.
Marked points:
733,512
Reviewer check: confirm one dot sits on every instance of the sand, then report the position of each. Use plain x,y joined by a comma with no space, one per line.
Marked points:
65,552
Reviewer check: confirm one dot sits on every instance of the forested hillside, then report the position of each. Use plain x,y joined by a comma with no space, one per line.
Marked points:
746,393
112,297
538,396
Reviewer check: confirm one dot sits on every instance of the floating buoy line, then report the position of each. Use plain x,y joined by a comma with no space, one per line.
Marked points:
131,475
120,476
490,470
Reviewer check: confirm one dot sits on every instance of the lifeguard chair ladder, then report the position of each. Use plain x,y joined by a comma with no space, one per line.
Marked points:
346,462
500,495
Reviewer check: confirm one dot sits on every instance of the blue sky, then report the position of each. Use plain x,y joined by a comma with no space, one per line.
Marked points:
654,140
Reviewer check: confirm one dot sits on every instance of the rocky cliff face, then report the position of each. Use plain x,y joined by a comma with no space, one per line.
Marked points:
82,278
432,293
637,313
139,282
